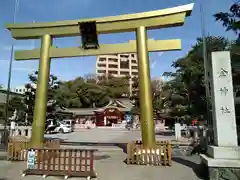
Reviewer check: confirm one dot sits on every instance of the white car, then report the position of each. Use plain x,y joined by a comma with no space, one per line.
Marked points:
69,122
63,127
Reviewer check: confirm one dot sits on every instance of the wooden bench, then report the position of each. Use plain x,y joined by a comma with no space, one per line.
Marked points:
17,150
160,155
63,162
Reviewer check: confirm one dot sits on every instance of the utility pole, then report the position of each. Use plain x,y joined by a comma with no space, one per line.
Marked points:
206,66
10,66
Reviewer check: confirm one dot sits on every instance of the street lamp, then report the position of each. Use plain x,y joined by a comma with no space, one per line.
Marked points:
10,67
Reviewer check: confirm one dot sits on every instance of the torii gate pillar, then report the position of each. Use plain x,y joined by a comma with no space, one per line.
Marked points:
146,107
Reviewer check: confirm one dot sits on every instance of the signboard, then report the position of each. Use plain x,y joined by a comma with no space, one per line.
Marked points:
31,159
111,117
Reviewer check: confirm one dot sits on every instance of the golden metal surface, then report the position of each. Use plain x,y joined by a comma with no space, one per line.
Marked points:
146,107
39,117
162,12
124,23
153,46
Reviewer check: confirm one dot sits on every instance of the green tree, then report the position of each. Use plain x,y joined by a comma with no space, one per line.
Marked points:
159,96
17,104
187,86
230,20
116,87
30,94
81,93
135,96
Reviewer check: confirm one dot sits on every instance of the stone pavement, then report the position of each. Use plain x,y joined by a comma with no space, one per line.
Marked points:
110,165
109,135
109,159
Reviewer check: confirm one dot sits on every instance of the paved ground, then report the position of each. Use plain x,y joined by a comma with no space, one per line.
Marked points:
109,135
109,160
109,165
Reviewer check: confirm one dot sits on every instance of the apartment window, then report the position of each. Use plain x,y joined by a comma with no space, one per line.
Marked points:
124,73
113,72
1,114
101,65
134,73
134,61
112,60
124,64
16,90
102,59
124,56
20,90
134,67
101,71
133,55
112,66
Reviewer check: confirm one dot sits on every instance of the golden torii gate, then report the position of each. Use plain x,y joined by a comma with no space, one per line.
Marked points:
139,22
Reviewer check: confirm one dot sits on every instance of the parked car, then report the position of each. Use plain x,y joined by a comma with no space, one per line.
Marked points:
63,127
70,122
50,126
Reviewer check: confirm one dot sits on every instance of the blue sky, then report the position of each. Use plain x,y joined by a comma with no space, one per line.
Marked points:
55,10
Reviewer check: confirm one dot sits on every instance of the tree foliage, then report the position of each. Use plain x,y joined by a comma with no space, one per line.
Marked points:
30,94
91,91
158,95
230,20
16,104
187,85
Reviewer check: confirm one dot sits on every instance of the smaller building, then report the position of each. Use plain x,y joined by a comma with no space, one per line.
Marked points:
3,97
21,89
113,113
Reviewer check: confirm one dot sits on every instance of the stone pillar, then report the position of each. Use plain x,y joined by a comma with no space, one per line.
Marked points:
105,121
178,131
223,159
29,132
23,131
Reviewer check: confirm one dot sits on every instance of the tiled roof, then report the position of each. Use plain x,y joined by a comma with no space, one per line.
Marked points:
123,105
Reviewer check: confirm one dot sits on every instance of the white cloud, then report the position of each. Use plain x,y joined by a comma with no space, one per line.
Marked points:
18,47
23,69
153,64
18,66
160,54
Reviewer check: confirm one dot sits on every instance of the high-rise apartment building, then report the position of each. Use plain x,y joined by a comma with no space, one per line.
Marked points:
118,65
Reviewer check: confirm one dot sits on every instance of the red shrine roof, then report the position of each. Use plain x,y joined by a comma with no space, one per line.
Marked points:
123,105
